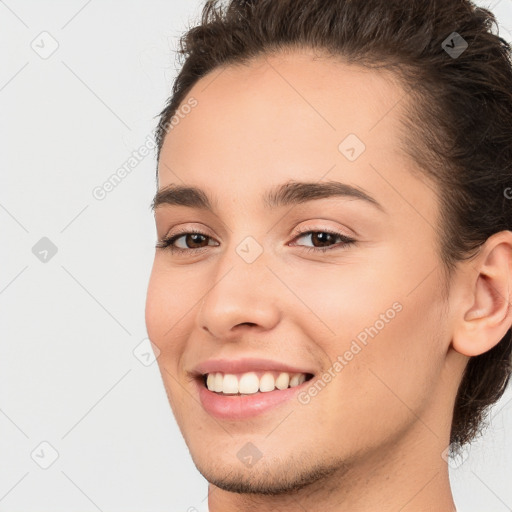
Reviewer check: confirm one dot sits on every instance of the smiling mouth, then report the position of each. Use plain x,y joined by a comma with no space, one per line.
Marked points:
250,383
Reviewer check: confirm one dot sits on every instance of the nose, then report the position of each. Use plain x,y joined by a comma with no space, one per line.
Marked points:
241,296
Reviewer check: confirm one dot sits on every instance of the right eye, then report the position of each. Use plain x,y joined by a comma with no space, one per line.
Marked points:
190,238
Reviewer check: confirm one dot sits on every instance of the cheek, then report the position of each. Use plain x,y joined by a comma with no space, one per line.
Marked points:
385,333
168,316
164,309
171,295
342,300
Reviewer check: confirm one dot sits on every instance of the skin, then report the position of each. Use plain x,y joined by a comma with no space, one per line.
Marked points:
373,438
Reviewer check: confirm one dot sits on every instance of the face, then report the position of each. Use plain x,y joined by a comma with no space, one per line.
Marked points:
341,284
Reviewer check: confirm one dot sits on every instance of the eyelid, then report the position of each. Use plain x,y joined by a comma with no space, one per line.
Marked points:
321,229
295,233
168,241
188,228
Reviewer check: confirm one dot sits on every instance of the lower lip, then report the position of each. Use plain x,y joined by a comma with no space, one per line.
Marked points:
239,407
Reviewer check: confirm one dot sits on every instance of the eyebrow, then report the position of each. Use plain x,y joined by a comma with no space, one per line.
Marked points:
289,193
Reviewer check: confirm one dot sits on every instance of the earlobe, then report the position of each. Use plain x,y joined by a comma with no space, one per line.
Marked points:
489,286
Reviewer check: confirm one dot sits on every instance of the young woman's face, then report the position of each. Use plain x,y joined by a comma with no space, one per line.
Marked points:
366,318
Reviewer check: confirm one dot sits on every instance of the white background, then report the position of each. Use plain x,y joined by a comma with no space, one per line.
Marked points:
68,374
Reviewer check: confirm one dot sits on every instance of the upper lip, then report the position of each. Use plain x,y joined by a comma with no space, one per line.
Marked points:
244,365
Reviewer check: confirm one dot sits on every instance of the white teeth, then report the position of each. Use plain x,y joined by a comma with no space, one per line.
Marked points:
230,384
210,381
249,383
294,381
267,383
282,381
218,384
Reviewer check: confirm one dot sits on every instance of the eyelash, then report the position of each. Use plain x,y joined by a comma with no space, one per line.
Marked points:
167,242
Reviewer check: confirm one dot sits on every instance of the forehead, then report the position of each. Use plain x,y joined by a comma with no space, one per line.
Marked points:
286,116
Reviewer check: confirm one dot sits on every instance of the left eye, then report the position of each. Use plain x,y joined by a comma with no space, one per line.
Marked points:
325,239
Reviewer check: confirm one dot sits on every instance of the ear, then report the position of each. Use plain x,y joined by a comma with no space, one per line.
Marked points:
484,315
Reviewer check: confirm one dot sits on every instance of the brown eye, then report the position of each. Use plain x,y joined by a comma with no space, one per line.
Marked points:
185,241
194,240
324,240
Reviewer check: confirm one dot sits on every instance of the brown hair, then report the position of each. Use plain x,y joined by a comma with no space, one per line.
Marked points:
458,127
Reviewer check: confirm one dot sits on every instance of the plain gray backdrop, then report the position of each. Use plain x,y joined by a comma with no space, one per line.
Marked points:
84,420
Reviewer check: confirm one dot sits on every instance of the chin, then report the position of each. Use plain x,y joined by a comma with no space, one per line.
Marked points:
278,475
